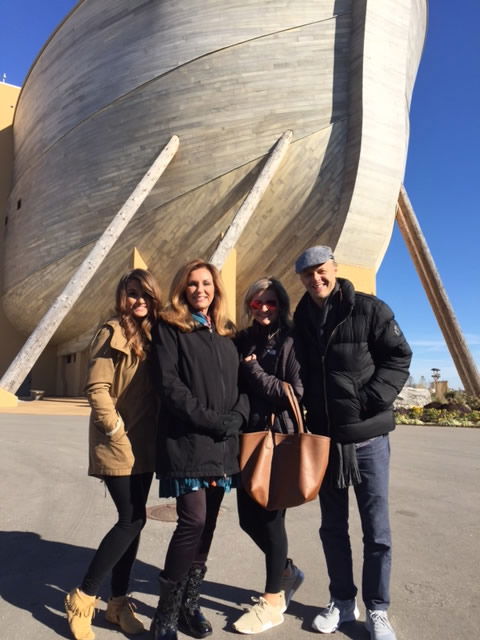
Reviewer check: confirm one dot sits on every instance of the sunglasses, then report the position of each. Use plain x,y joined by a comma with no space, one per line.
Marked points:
135,296
257,305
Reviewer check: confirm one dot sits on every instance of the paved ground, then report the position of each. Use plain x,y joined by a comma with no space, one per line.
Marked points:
53,516
50,407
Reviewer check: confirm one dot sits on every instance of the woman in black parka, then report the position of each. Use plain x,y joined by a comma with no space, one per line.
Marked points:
267,358
201,415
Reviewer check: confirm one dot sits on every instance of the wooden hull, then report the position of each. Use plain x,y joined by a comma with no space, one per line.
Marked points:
117,79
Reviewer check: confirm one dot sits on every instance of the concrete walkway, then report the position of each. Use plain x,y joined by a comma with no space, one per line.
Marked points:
53,517
50,407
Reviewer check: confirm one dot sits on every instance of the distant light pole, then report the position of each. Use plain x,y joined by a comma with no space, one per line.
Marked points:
439,388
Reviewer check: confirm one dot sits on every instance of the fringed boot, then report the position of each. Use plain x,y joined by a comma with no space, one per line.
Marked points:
191,620
80,609
165,621
121,611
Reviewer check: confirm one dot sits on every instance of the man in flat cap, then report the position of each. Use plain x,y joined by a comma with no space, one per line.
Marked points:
354,361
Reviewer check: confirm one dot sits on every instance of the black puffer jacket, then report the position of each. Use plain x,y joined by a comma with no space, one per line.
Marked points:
198,381
353,375
262,378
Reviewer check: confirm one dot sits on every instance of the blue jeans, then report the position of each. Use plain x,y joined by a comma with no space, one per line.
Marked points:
372,499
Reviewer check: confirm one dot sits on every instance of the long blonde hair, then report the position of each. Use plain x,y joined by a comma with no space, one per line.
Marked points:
138,334
177,311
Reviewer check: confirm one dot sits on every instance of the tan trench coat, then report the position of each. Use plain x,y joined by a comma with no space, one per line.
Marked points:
117,386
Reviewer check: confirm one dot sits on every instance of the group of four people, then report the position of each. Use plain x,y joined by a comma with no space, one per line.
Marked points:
172,386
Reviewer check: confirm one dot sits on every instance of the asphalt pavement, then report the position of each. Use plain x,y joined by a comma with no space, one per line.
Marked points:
53,517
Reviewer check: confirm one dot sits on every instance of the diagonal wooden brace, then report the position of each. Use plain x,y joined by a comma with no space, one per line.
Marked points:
243,215
47,326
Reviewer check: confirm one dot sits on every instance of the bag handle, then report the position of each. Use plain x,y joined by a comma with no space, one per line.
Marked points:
297,412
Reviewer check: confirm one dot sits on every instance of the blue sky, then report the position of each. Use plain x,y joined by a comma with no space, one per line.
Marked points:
442,177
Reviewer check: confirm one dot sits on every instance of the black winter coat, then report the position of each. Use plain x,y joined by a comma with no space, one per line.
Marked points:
262,378
352,377
198,382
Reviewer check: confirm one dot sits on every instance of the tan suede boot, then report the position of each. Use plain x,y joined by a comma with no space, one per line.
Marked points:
80,610
121,611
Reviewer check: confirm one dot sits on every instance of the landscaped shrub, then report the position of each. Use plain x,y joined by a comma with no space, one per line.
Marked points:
473,402
462,398
456,412
403,418
475,416
431,415
416,412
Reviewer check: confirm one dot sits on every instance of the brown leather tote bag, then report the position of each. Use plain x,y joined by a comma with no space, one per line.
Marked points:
283,470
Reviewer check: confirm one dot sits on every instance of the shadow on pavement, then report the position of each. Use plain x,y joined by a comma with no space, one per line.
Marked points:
239,597
36,574
354,630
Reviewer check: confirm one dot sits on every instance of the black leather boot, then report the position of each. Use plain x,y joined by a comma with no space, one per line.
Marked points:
165,621
191,619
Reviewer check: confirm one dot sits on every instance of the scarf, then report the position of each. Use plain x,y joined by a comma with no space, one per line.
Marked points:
202,319
343,470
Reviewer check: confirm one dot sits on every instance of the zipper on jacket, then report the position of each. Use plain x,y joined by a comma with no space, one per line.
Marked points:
325,404
215,350
222,381
224,456
324,372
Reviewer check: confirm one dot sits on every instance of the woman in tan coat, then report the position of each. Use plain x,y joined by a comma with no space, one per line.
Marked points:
121,447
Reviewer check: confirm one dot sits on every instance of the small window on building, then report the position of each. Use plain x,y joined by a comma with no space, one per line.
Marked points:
19,204
72,357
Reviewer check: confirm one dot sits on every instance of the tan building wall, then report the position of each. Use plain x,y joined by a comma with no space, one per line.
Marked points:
8,100
43,373
362,278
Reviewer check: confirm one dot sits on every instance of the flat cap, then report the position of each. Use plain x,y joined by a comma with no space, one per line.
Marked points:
313,256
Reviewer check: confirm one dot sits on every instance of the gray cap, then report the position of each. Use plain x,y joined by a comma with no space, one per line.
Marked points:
313,256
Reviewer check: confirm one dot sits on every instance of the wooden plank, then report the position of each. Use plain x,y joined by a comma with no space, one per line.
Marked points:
295,65
39,339
111,39
243,215
194,222
91,185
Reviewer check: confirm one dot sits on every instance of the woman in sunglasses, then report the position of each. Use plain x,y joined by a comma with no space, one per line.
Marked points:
121,447
267,359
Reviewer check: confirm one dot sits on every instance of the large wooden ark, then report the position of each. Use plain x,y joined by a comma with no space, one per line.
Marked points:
119,77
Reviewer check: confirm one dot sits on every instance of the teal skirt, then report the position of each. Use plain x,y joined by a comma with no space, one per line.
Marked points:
174,487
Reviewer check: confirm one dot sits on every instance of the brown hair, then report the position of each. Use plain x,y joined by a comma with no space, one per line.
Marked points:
138,334
178,313
272,284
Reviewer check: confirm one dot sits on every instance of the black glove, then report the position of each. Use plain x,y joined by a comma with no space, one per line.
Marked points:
231,423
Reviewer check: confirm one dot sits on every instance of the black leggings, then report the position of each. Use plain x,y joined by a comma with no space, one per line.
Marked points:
118,549
267,530
197,513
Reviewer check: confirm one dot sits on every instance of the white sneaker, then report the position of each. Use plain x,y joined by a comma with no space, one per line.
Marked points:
335,614
378,625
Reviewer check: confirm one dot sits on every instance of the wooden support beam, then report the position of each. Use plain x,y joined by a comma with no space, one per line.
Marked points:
47,326
432,283
243,215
